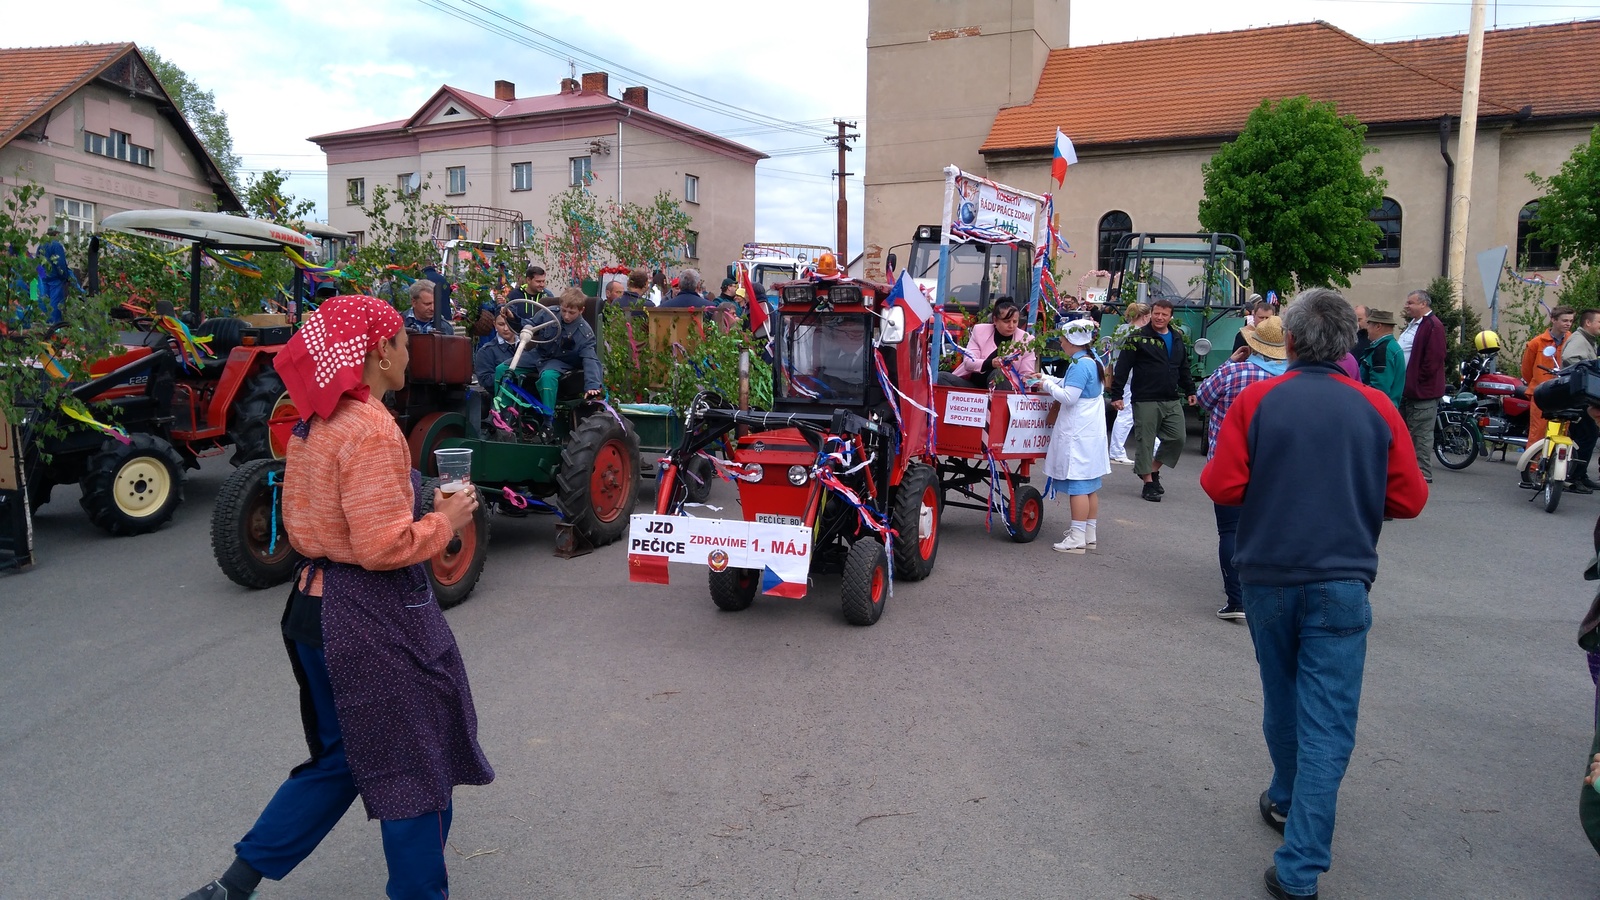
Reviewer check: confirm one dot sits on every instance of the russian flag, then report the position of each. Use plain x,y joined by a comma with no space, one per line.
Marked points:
772,583
908,294
1065,156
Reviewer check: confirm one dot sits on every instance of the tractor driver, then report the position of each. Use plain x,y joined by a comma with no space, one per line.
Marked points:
840,348
573,350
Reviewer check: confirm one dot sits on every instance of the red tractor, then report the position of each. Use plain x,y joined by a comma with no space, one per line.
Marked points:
843,459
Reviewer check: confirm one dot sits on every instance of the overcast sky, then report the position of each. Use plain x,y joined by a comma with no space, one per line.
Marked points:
283,71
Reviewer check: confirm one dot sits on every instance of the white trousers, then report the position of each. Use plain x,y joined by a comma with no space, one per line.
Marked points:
1123,426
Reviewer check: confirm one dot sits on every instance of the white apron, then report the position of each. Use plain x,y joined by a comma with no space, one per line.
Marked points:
1078,443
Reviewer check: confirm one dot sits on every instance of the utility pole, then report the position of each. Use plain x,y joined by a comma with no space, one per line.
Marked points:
842,141
1461,206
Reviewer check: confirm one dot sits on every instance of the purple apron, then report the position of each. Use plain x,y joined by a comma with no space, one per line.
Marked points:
399,686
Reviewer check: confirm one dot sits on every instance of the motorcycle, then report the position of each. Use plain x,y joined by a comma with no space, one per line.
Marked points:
1502,406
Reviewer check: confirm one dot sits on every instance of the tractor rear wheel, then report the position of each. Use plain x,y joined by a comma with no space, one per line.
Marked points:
734,589
866,582
598,482
916,523
248,538
263,401
1026,515
455,570
133,488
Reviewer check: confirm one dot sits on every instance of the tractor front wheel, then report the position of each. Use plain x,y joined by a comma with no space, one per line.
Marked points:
916,523
133,488
598,483
866,582
734,589
454,571
263,408
248,538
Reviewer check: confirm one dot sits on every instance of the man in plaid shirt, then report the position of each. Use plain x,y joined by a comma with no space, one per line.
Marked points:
1265,355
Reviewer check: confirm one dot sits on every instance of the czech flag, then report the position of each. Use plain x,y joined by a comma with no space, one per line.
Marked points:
774,585
909,295
1065,156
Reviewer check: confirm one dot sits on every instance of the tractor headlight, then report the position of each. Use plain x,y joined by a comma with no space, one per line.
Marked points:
798,475
753,472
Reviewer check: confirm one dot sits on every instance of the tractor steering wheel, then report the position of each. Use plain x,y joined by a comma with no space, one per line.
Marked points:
532,314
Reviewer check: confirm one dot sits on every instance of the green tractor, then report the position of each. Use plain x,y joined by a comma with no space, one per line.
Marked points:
1204,277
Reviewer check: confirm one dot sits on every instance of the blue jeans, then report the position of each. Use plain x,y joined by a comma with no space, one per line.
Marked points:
1311,646
311,802
1227,534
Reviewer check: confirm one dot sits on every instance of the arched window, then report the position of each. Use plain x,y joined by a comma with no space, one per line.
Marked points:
1113,226
1531,252
1387,218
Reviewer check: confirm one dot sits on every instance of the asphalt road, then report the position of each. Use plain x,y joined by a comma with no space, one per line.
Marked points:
1022,724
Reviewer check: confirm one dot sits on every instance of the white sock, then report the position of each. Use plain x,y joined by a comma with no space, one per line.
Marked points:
1093,523
1078,526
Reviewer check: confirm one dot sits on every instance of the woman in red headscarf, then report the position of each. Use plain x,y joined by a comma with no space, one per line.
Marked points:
384,698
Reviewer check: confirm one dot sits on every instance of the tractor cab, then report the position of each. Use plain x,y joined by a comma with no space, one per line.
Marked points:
1203,275
980,273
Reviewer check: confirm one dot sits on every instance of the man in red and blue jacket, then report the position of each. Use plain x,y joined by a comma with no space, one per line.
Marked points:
1307,554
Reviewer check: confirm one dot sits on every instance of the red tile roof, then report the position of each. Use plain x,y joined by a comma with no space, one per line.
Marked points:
1204,86
34,79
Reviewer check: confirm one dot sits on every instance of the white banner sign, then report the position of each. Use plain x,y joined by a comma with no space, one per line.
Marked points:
966,408
779,554
987,206
1029,430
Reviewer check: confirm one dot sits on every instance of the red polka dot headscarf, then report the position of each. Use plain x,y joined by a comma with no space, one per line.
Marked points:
324,359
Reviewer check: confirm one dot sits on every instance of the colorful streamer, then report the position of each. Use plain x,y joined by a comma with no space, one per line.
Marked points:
76,410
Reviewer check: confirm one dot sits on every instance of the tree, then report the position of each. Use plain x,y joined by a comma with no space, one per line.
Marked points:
1569,212
1292,185
264,198
646,237
200,109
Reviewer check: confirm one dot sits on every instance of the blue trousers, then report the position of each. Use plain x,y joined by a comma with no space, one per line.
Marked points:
1227,534
311,802
1311,646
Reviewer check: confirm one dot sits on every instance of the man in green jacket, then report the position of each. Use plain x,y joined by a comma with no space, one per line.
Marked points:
1383,366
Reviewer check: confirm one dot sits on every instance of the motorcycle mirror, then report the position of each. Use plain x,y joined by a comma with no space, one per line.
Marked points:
1202,347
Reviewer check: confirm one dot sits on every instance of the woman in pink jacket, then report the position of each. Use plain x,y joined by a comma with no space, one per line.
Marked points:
993,349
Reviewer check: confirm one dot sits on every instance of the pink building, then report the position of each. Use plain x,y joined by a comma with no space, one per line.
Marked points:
92,125
511,153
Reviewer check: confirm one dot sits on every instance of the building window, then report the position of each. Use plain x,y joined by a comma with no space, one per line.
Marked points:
581,172
456,176
691,188
74,216
691,245
1387,218
117,146
358,239
1531,252
1114,226
406,184
522,176
355,190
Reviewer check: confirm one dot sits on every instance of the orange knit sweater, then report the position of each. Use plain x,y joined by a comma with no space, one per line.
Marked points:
347,494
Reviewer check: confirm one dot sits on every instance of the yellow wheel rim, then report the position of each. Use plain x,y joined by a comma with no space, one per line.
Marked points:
142,487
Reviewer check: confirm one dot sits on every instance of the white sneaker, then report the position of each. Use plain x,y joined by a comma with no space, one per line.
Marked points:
1072,543
1122,460
1089,537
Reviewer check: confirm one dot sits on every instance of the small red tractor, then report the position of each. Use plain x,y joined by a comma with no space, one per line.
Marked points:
841,472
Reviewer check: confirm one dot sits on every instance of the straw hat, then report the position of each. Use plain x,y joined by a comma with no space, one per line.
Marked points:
1266,338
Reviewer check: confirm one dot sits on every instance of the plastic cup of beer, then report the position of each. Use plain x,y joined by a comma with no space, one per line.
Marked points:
455,469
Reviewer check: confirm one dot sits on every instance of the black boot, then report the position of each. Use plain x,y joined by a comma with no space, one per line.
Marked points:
1151,492
1579,485
1155,479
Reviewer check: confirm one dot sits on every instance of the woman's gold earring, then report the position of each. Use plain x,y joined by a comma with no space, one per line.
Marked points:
383,364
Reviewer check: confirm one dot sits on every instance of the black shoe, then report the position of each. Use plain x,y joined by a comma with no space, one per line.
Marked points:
1276,889
1578,487
1231,613
1155,479
1587,482
1151,492
1272,815
1428,478
215,891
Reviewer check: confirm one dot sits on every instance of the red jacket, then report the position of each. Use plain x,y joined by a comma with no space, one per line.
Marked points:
1425,366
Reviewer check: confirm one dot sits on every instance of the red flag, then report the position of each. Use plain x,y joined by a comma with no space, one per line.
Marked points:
647,569
758,310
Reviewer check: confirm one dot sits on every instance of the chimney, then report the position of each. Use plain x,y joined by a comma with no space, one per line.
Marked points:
595,83
569,85
505,90
636,96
